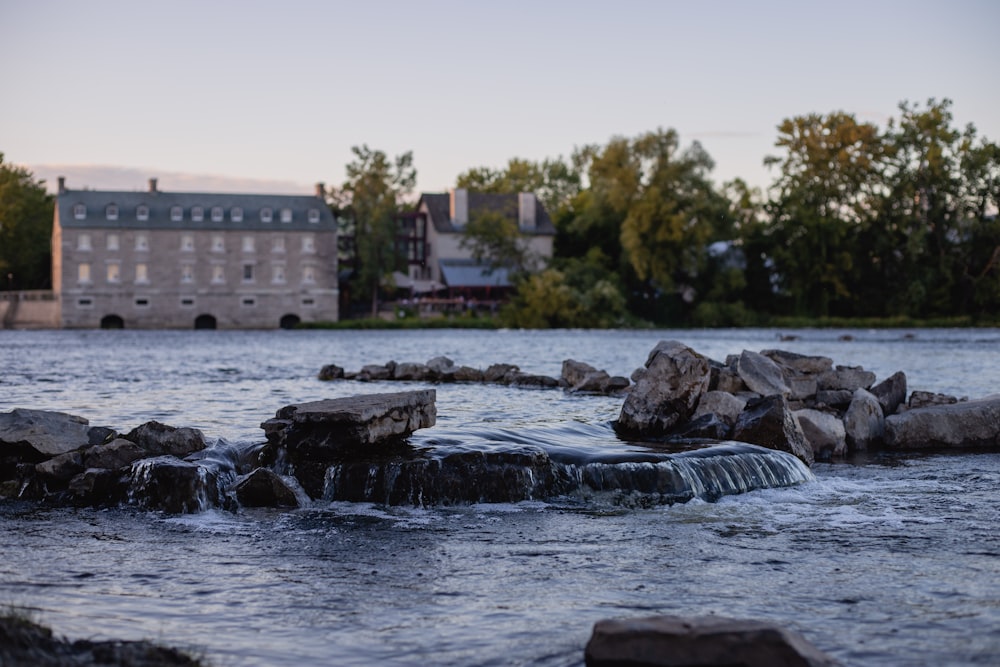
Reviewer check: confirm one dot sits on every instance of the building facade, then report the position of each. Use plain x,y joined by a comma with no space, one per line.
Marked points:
153,259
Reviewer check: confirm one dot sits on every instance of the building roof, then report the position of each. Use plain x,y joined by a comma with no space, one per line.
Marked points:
160,205
470,273
439,210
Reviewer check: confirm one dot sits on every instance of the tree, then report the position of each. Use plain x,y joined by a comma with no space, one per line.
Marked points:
494,239
554,182
372,197
26,212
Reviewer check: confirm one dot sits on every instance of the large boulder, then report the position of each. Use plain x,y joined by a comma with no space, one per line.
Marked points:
158,439
724,405
168,484
824,433
846,378
891,392
666,391
963,425
31,436
769,422
761,375
864,422
116,454
700,641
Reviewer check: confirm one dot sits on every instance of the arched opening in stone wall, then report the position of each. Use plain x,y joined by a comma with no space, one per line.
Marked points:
205,322
112,322
289,321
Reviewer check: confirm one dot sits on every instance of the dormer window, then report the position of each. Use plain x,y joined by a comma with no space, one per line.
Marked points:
80,211
142,212
217,214
266,215
176,213
313,215
286,215
236,214
197,213
111,211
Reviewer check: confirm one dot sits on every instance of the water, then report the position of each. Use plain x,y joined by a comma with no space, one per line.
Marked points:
895,562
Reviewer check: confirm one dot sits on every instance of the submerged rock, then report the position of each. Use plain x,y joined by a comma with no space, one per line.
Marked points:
699,641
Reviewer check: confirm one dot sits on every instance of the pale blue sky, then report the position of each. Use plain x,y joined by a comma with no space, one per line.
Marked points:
272,95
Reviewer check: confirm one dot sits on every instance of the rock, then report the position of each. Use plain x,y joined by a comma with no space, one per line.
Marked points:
264,488
442,369
519,379
331,372
708,426
824,433
834,398
963,425
97,486
62,468
32,436
574,372
923,399
409,371
847,378
761,375
801,387
799,363
500,373
864,422
158,439
116,454
666,391
332,429
725,378
168,484
701,641
467,374
370,372
724,405
98,435
769,422
891,392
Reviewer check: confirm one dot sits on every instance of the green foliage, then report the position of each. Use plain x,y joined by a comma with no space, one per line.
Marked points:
553,181
495,240
26,213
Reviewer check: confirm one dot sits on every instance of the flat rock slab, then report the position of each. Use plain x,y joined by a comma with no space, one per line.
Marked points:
37,435
964,425
701,641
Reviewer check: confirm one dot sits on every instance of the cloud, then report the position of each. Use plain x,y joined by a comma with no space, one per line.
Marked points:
109,177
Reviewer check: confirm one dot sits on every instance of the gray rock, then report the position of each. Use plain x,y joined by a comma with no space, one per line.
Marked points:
834,398
923,399
701,641
891,392
666,391
97,486
168,484
331,372
500,373
529,380
801,387
595,382
574,372
769,422
442,369
158,439
725,378
864,422
467,374
116,454
62,468
847,378
98,435
761,375
722,404
409,371
799,363
35,435
963,425
707,426
371,372
264,488
824,432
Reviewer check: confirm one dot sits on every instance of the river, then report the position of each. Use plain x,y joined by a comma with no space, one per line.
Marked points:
894,561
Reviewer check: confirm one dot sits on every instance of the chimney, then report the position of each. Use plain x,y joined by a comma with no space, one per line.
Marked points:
526,208
321,190
152,185
459,207
62,184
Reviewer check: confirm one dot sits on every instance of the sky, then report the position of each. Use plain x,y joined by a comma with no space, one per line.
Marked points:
253,96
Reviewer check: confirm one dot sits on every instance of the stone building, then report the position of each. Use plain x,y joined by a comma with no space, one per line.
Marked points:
153,259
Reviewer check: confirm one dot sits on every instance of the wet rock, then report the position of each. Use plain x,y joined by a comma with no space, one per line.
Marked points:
98,487
708,426
529,380
468,374
824,433
442,369
700,641
585,379
60,469
864,422
500,373
412,372
574,372
98,435
769,422
116,454
761,375
31,436
962,425
891,392
168,484
264,488
158,439
331,372
846,378
799,363
722,404
666,391
923,399
372,372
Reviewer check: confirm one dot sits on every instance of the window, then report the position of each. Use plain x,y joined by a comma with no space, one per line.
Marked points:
308,274
83,273
141,273
197,213
218,243
187,302
141,242
142,302
278,274
114,272
187,242
266,215
278,245
85,303
176,213
111,211
286,215
187,273
113,242
248,273
309,303
217,214
236,214
83,242
80,211
248,244
218,274
142,212
313,215
308,243
248,302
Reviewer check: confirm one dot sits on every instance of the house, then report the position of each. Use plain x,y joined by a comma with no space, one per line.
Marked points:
447,263
158,259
